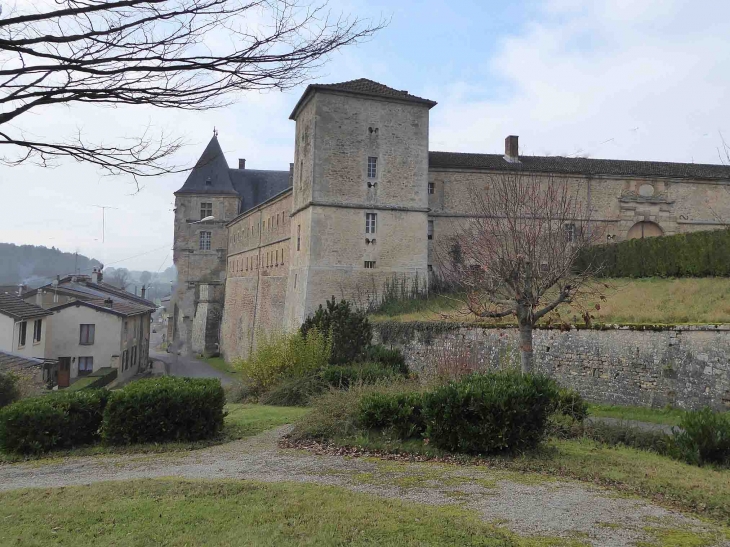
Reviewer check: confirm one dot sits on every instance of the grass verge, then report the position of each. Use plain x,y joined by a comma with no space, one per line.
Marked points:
220,364
667,416
176,513
241,422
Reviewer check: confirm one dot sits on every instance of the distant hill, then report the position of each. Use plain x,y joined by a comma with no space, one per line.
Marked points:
37,265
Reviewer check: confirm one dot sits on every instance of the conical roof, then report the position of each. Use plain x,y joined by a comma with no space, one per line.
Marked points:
211,174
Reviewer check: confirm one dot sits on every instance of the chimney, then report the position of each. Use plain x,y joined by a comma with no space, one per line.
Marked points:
242,163
109,303
144,290
96,276
55,281
511,149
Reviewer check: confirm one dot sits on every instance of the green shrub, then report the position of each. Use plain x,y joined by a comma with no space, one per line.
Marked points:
283,356
343,376
241,392
9,391
704,438
60,420
401,412
570,403
99,378
164,409
487,413
697,254
623,434
391,357
295,391
349,330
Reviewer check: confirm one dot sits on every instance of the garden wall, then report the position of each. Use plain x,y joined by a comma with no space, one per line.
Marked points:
686,367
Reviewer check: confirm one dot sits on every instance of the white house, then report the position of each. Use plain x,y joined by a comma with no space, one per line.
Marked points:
23,327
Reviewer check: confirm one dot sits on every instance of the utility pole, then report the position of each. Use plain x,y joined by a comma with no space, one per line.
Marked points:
103,219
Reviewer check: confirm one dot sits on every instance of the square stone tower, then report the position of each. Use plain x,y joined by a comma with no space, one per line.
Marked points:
360,194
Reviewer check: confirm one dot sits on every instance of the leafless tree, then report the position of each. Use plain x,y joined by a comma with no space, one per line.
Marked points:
516,254
182,54
119,277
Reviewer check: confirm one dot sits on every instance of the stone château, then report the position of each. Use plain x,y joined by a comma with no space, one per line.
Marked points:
363,201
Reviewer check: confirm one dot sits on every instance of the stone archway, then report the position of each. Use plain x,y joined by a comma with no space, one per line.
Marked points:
644,229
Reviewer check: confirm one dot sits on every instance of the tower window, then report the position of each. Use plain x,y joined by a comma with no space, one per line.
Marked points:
206,210
370,222
299,236
205,241
570,233
431,188
372,167
430,229
369,264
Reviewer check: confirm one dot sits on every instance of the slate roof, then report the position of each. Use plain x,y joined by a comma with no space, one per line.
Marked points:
363,87
578,166
17,308
256,186
210,174
84,289
12,361
123,309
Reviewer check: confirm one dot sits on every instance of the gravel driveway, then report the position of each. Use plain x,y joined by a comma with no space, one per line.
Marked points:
525,503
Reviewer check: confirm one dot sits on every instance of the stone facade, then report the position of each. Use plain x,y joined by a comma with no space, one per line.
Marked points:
283,247
685,367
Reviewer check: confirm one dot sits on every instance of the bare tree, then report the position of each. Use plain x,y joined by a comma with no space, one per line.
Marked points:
183,54
119,277
516,254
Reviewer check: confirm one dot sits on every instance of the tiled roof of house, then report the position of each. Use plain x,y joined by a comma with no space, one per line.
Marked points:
12,361
124,309
577,166
363,86
17,308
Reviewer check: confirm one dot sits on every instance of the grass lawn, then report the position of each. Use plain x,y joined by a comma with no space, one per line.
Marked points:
181,513
701,490
219,364
242,421
668,416
662,301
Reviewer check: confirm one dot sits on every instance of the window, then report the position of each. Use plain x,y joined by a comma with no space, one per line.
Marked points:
277,257
430,267
282,257
570,233
86,365
431,188
369,264
206,210
22,329
205,241
299,236
86,336
134,356
126,326
372,167
37,330
370,222
124,360
430,229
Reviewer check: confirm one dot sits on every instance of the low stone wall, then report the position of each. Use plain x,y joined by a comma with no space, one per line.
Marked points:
686,367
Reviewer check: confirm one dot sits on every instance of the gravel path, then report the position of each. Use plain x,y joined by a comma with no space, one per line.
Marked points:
525,503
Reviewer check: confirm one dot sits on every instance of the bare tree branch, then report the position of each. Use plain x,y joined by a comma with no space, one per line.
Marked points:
183,54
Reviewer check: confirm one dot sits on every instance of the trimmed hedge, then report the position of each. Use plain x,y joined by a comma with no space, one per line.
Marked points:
401,412
164,409
696,254
342,377
379,353
99,378
59,420
488,413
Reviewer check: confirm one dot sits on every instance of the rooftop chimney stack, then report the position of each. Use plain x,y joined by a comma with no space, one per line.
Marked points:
242,163
144,290
95,276
511,149
109,303
55,281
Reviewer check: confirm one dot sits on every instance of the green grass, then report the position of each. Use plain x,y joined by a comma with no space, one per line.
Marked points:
181,513
241,422
219,363
663,301
668,416
702,490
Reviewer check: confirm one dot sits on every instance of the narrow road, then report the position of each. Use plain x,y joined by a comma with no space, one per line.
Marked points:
183,365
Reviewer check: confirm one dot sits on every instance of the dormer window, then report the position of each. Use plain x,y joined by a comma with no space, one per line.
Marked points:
208,182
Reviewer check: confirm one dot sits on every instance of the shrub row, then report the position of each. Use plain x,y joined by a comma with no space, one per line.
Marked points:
343,376
478,414
697,254
9,391
151,410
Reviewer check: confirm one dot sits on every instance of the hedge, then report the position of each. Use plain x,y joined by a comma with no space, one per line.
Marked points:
696,254
488,413
164,409
343,376
401,412
99,378
59,420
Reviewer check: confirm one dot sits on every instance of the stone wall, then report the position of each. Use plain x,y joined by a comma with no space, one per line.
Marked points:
686,367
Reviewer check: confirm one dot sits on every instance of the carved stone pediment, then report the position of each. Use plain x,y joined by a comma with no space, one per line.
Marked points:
629,196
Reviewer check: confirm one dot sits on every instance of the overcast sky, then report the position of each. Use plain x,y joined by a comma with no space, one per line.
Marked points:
625,79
